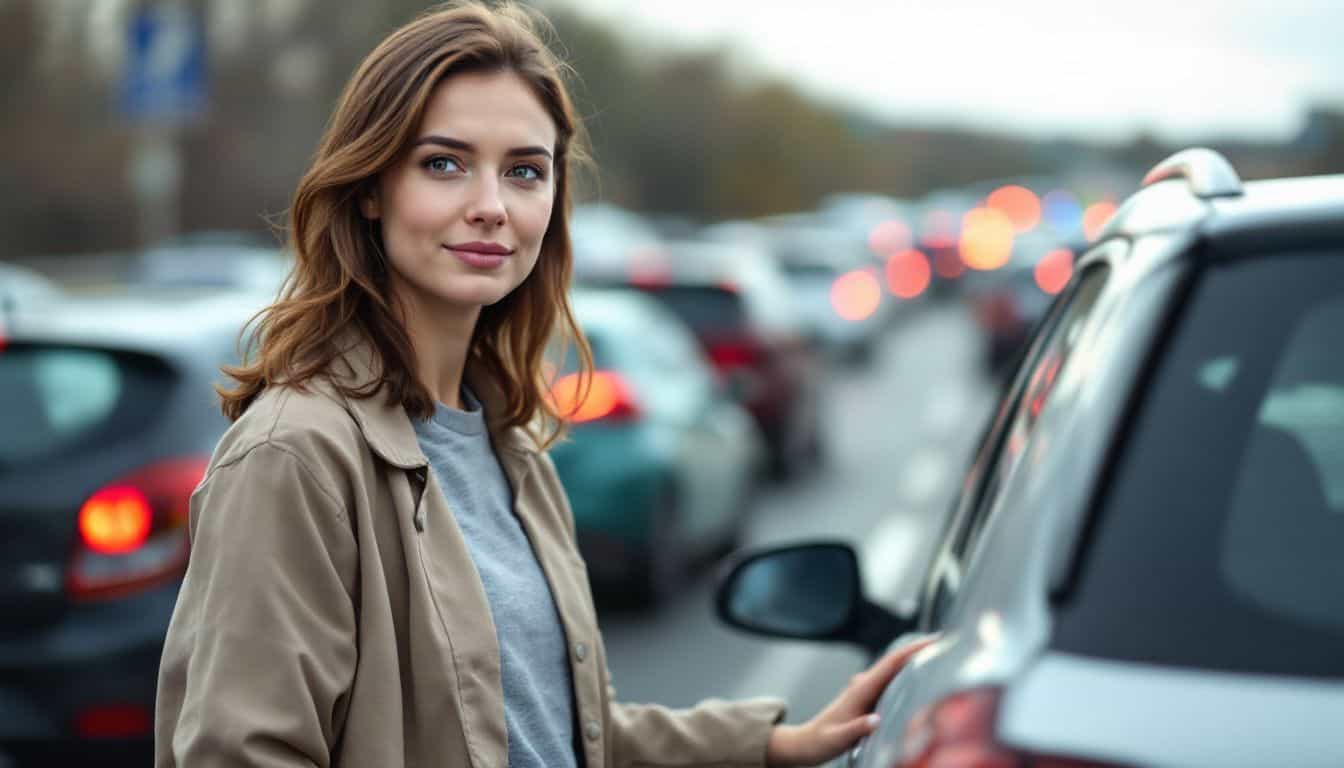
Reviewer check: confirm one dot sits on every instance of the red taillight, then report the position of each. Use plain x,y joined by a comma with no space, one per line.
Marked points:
959,730
117,721
728,355
133,532
606,398
115,520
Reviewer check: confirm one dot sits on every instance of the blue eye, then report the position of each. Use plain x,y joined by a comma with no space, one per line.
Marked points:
442,164
526,173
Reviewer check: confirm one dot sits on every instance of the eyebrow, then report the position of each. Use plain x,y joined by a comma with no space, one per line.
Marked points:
444,141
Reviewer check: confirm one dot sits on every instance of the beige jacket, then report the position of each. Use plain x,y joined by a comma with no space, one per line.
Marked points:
331,614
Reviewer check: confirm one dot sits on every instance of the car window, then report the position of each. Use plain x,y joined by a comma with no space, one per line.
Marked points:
1055,350
1054,340
57,400
1219,542
708,309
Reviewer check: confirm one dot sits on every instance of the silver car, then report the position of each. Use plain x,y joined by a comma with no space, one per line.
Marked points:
1146,562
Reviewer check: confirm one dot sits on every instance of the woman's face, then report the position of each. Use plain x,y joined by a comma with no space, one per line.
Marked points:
464,210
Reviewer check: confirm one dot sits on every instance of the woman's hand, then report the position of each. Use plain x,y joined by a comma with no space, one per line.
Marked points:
846,720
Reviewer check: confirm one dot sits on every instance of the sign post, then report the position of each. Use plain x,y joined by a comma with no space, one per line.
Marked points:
162,87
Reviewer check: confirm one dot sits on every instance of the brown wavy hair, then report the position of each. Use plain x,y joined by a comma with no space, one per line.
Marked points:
339,282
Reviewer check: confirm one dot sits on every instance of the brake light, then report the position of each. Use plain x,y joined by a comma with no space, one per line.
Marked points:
133,532
117,721
728,355
115,520
959,730
607,398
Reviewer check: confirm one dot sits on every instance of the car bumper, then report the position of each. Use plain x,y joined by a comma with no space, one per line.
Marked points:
89,679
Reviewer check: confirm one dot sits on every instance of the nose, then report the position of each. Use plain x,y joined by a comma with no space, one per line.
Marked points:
486,208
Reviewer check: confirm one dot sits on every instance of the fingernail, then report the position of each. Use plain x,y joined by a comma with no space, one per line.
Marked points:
872,720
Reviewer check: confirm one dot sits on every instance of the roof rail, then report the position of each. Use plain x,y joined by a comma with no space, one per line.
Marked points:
1208,173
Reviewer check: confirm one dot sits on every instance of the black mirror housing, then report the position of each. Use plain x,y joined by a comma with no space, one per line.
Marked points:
809,591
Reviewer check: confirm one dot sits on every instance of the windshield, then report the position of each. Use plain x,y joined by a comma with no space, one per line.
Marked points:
1220,541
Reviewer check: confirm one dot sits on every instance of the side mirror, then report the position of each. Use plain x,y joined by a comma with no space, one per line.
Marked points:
808,592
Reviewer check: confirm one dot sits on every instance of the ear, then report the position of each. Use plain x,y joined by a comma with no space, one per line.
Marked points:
368,205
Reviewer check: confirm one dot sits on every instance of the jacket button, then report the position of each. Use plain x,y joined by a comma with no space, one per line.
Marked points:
580,651
593,731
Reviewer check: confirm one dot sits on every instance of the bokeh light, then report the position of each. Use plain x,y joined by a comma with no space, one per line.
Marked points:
856,295
1062,211
1054,270
890,237
947,263
986,238
1095,218
1019,203
908,274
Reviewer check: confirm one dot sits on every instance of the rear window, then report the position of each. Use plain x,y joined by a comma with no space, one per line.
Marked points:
708,310
1220,541
64,401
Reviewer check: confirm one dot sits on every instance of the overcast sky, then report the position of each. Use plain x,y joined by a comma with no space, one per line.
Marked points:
1180,68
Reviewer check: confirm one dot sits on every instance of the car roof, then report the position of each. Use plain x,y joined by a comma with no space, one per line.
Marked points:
1280,202
1290,206
139,319
612,306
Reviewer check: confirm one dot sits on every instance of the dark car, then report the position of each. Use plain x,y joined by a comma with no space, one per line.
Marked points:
108,421
660,462
1143,567
739,305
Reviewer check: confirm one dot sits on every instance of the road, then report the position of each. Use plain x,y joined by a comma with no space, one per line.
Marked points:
900,434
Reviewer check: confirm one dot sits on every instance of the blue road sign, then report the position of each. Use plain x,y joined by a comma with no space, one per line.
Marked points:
164,78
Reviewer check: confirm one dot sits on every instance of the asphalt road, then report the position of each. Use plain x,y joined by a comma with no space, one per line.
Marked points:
900,434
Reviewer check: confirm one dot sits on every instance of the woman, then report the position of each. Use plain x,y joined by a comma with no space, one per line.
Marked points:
383,566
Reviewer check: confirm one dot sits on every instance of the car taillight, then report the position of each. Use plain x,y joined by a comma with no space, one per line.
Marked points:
959,730
728,355
115,721
607,398
133,532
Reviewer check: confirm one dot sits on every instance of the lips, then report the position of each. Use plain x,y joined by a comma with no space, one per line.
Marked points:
480,255
489,249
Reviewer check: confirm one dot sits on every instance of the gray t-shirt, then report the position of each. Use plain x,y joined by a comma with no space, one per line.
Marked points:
534,665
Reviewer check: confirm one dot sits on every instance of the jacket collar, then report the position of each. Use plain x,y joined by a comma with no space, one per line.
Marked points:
386,425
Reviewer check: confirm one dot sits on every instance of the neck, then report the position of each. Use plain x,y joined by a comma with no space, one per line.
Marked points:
440,338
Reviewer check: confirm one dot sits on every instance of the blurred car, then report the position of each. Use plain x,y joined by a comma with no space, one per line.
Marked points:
837,287
738,304
23,287
1143,567
611,240
210,264
108,421
661,461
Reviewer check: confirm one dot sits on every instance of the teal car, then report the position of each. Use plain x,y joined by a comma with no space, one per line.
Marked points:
660,461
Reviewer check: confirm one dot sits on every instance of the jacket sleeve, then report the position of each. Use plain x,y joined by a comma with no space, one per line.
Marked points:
722,734
717,733
261,649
